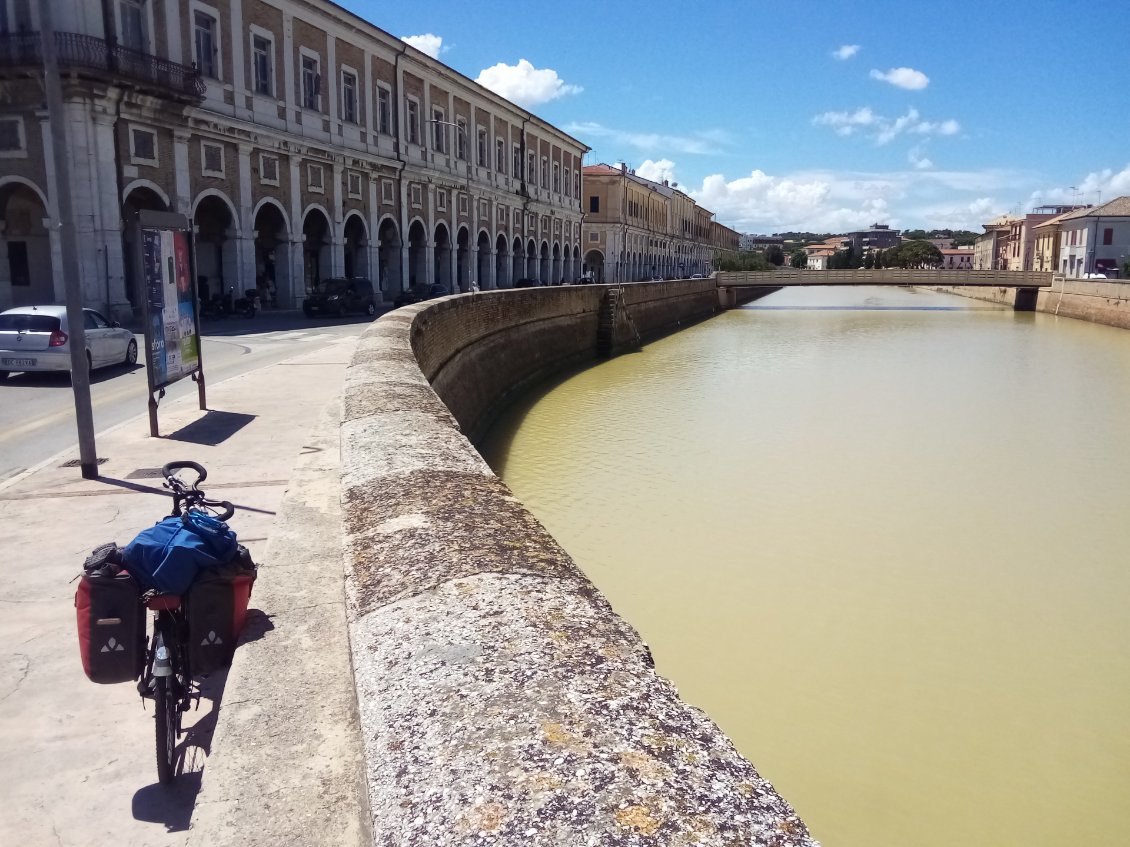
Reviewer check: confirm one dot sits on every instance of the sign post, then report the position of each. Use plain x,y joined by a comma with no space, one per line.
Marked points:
172,314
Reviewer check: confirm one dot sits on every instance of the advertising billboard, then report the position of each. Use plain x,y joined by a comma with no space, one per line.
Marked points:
170,307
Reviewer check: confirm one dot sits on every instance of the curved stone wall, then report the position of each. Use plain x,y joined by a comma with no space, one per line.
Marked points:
502,700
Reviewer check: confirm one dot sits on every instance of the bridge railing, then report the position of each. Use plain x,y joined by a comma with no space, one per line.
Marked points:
886,276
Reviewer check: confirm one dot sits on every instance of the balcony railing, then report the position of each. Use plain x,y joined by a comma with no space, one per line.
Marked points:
77,52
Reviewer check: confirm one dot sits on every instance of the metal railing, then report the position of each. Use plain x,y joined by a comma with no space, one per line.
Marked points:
86,52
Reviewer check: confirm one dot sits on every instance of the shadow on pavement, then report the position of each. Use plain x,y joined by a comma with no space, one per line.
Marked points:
62,379
172,805
212,429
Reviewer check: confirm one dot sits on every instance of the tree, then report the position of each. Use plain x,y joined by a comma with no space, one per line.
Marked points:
775,255
799,259
869,261
745,261
915,254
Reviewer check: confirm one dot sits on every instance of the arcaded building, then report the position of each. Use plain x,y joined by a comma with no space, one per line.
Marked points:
636,229
301,141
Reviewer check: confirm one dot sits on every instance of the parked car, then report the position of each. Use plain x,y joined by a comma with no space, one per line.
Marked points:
437,289
697,276
339,296
1095,276
38,338
586,279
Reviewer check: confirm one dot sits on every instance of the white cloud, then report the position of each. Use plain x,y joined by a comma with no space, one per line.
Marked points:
664,169
1096,187
524,84
701,143
846,52
884,129
903,78
431,45
917,159
842,201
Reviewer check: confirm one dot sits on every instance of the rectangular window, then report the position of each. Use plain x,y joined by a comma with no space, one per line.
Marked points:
1108,235
594,204
268,169
349,97
517,161
441,201
133,30
413,122
500,156
11,135
204,26
143,144
482,148
556,178
417,196
386,191
211,159
262,65
311,83
577,184
315,178
463,204
354,185
384,111
531,173
439,131
544,172
461,139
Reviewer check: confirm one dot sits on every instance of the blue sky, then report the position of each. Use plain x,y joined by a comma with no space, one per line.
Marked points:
822,116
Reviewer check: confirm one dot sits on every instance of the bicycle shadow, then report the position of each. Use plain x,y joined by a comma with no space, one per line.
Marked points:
172,805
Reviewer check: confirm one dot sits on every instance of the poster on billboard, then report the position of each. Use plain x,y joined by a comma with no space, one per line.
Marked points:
170,322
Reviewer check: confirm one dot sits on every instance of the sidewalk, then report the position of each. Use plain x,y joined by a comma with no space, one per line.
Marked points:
77,759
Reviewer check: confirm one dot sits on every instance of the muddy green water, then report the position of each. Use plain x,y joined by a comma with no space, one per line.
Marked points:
883,538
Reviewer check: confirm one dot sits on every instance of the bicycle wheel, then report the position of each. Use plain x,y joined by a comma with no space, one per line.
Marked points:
167,719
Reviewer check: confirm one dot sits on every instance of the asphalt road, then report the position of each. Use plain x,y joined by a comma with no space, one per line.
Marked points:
37,411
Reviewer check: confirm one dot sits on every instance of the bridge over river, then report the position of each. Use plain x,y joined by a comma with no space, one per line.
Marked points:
734,287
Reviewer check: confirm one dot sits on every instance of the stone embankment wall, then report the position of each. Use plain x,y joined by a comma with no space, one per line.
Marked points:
502,700
1088,300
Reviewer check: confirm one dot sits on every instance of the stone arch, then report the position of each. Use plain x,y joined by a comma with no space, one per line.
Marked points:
464,273
317,258
355,235
556,275
501,258
417,253
272,253
388,255
532,260
544,269
483,270
594,265
216,225
576,263
149,184
518,266
26,268
441,256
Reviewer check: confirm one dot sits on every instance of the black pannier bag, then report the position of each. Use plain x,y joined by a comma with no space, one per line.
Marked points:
111,625
216,608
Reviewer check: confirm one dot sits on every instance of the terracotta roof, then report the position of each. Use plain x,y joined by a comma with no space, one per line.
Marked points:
1056,220
600,169
1118,207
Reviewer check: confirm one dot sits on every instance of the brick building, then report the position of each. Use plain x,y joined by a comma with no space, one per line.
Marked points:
302,141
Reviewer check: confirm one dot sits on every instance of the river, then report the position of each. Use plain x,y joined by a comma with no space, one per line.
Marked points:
881,537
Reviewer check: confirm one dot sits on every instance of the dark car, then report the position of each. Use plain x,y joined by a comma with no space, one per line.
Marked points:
414,294
437,289
338,296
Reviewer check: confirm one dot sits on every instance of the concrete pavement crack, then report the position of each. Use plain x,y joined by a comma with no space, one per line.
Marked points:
23,672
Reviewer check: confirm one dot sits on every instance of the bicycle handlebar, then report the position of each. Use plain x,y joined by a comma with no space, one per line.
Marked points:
168,470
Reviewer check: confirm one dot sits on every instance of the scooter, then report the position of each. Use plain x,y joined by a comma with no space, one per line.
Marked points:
249,303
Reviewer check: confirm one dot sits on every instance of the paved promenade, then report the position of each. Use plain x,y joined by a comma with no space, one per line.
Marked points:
77,760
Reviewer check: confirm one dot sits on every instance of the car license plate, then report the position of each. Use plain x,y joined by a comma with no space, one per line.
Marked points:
18,363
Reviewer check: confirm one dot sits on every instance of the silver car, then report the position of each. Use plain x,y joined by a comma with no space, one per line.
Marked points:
38,338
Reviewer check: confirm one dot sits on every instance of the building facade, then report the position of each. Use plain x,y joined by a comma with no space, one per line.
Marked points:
1095,240
636,229
301,141
878,237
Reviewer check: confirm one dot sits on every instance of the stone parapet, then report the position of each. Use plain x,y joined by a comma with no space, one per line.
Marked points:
1087,300
502,700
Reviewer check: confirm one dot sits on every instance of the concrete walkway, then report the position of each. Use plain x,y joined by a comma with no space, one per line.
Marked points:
77,761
